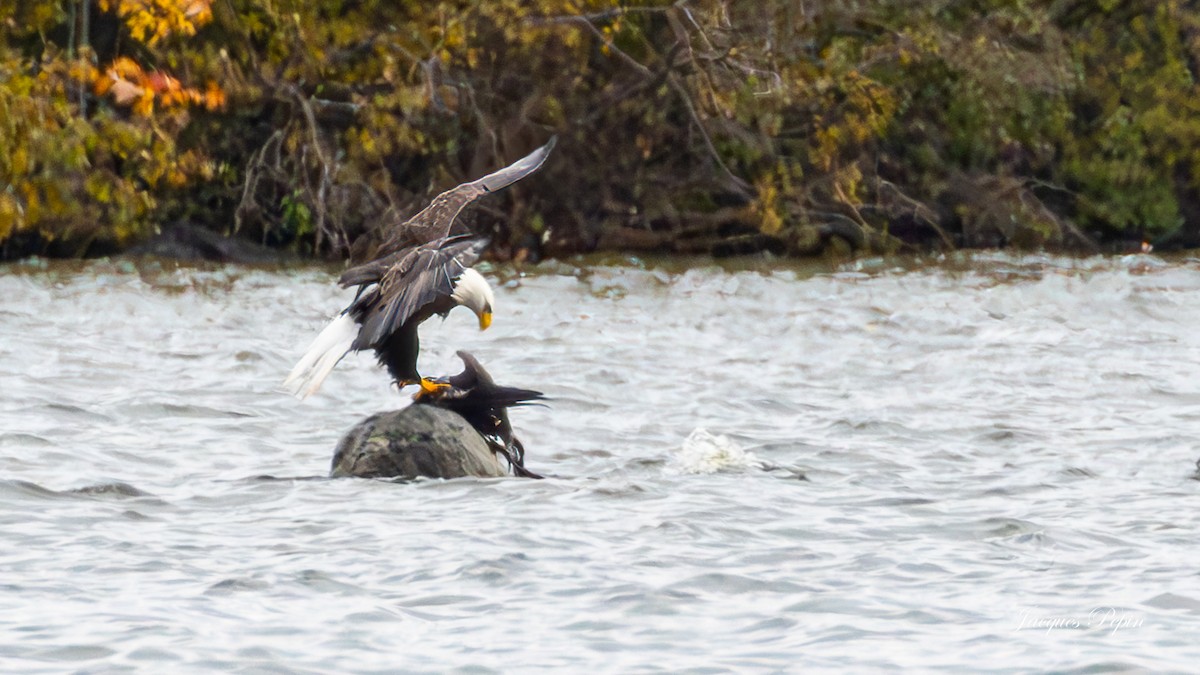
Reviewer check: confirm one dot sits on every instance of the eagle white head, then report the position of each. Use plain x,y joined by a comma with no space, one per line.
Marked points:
472,291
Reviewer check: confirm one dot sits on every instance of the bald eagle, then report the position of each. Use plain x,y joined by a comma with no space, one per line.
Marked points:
475,396
419,270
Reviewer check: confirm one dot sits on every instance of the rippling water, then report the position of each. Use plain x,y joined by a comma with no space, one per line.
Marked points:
966,466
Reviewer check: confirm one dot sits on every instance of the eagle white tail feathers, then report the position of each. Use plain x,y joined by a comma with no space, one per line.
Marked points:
331,345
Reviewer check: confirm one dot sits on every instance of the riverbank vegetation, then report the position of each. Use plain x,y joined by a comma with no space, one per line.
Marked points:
695,126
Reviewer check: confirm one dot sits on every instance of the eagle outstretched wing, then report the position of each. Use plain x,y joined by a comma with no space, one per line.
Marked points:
435,221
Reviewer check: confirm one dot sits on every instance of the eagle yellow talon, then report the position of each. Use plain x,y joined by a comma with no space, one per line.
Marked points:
430,387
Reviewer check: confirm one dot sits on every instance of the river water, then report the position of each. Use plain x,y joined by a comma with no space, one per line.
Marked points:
984,464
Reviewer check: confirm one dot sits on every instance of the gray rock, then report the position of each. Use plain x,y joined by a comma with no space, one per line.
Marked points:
417,441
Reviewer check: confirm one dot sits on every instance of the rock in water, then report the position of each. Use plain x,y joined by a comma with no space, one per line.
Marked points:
417,441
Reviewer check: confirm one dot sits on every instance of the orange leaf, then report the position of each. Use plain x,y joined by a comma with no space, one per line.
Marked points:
126,68
103,83
157,81
199,10
214,97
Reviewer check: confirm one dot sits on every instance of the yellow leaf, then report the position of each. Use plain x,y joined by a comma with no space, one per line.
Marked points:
32,202
19,160
10,216
126,68
145,105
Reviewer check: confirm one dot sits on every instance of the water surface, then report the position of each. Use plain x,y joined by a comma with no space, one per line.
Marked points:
979,465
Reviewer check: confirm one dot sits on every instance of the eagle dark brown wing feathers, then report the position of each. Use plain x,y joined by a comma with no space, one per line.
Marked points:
435,221
416,281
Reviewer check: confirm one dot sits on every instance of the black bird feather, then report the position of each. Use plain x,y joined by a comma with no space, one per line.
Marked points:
475,396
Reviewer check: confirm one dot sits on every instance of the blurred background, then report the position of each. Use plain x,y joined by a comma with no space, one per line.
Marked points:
696,126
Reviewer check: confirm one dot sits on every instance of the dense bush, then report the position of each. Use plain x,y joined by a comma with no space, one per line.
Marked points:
694,126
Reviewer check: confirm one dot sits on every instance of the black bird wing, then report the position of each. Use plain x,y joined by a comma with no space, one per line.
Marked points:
484,404
474,387
435,220
473,374
416,279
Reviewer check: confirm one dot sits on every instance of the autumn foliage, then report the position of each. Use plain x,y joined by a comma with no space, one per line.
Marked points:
129,86
150,21
691,126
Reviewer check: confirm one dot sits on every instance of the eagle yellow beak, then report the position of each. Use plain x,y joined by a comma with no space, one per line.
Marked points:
485,320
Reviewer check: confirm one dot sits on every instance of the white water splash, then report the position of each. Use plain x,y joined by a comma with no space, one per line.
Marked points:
705,452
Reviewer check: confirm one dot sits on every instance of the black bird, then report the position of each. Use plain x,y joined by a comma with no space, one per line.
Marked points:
420,270
475,396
